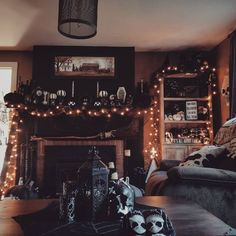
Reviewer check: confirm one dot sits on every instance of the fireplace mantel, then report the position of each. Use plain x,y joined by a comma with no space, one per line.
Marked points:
43,142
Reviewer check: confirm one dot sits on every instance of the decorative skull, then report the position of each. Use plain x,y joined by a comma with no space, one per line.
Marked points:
97,104
154,221
121,198
136,222
125,197
85,102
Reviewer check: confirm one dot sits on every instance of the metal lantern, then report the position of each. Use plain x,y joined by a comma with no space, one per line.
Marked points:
92,197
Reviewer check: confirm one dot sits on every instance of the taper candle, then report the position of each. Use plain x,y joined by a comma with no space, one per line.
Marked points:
97,89
73,89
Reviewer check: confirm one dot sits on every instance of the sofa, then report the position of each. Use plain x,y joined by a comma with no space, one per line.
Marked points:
207,176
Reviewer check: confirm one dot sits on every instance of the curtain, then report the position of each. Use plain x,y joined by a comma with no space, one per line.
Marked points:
232,75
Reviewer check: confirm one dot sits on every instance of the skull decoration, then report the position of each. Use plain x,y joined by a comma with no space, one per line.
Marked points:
97,104
71,103
37,95
154,221
121,198
85,102
136,222
125,198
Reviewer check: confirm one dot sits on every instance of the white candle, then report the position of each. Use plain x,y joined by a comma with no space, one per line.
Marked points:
111,165
127,152
97,89
73,89
114,176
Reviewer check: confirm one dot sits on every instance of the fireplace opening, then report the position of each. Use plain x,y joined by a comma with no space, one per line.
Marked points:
58,160
63,162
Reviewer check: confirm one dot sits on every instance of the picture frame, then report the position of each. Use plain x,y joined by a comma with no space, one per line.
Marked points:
84,67
191,110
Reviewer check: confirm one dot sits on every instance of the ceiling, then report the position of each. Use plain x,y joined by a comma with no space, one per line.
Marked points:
148,25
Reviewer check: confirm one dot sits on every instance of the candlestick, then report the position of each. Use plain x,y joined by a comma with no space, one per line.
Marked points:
73,89
141,86
97,89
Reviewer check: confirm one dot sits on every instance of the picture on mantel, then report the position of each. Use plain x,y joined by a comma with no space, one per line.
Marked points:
82,66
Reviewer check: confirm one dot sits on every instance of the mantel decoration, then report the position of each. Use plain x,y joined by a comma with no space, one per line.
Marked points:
197,66
78,18
32,99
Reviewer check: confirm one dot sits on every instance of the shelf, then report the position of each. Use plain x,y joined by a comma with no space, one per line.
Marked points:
182,75
174,99
186,121
184,144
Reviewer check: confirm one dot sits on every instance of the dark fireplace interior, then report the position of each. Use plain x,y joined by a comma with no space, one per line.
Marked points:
63,162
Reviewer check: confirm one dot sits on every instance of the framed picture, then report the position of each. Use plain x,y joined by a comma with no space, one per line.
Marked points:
191,110
84,66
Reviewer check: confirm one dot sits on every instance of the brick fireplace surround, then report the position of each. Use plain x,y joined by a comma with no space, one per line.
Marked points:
43,143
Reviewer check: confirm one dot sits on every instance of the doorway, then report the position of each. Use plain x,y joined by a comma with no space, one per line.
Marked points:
8,78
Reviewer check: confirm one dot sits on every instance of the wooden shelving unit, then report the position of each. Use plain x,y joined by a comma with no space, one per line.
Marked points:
179,146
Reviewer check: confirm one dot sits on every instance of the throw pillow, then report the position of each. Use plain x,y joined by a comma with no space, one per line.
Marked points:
226,136
205,157
232,148
230,122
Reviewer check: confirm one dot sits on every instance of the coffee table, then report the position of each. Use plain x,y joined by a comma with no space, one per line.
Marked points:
188,218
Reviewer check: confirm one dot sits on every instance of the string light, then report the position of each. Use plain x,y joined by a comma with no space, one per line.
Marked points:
153,145
11,168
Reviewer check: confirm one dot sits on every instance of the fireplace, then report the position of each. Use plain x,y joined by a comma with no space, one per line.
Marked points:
58,159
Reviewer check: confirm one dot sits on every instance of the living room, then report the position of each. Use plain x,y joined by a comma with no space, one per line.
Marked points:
148,92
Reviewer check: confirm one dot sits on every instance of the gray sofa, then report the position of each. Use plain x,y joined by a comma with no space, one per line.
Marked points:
207,177
213,189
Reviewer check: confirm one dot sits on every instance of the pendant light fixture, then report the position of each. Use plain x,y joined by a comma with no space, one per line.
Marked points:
78,18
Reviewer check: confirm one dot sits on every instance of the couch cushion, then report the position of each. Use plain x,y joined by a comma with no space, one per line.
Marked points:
205,157
211,175
226,136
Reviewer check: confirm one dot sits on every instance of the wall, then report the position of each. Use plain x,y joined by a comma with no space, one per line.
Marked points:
146,64
24,60
222,52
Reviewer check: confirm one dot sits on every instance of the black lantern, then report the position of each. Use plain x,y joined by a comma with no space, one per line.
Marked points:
92,197
78,18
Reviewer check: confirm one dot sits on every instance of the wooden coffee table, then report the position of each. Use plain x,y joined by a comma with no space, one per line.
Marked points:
188,218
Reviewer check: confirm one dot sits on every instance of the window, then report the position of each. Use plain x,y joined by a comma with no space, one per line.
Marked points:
8,71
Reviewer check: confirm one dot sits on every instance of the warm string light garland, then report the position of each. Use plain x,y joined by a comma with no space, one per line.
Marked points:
12,152
151,149
59,110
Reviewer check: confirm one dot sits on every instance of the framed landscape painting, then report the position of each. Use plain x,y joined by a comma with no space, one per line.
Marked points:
84,66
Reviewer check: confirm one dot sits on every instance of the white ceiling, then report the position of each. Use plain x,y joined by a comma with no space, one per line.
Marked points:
148,25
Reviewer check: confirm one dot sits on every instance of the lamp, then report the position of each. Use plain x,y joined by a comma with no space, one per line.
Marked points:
78,18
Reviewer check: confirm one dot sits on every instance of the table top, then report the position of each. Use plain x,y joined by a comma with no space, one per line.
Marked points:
187,217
